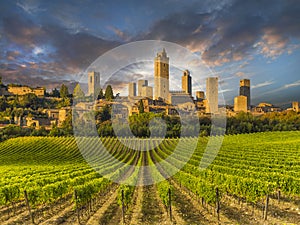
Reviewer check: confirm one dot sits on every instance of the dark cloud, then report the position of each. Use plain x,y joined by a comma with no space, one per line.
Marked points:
11,55
17,75
22,31
70,53
232,32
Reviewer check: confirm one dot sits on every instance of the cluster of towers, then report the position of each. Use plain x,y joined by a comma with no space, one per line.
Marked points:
161,81
161,88
142,89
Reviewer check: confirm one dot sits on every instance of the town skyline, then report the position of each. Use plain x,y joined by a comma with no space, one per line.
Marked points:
256,40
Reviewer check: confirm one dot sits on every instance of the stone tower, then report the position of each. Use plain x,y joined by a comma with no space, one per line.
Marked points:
245,90
212,95
240,103
94,84
161,75
131,89
141,84
186,82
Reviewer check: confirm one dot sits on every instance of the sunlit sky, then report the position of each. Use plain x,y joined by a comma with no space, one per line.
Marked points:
47,43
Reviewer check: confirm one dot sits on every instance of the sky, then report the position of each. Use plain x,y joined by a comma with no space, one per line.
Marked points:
47,43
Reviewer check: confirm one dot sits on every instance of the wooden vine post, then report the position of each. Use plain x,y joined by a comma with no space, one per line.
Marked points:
28,206
218,203
123,207
170,203
77,209
266,207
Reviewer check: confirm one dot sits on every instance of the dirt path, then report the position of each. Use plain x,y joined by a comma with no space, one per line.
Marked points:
147,207
153,203
187,210
41,213
111,213
105,209
6,212
278,213
135,213
60,217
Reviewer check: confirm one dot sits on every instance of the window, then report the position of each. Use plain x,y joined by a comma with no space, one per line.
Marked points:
91,79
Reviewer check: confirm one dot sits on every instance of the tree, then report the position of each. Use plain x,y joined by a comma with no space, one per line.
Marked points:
55,93
78,93
105,113
29,101
101,95
56,132
141,106
109,95
64,92
67,125
3,104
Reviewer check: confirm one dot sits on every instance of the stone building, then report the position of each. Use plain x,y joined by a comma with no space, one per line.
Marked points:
245,91
161,76
147,92
94,84
23,90
141,84
212,95
186,82
131,89
240,104
200,95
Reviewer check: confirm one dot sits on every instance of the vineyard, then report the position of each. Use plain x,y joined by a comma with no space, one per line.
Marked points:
255,179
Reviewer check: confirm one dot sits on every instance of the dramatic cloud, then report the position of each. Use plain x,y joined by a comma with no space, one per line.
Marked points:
232,32
65,53
54,41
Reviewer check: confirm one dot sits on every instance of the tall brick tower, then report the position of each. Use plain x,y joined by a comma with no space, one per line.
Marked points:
245,90
161,75
186,82
94,83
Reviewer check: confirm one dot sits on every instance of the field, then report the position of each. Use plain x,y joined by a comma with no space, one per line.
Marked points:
255,179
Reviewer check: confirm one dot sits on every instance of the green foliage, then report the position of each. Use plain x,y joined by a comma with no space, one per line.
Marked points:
104,114
40,132
274,121
67,125
3,103
12,131
163,192
109,95
78,93
248,166
55,93
64,92
141,106
56,132
101,95
128,192
28,100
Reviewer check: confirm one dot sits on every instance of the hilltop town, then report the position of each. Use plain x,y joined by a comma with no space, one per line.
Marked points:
160,99
46,113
